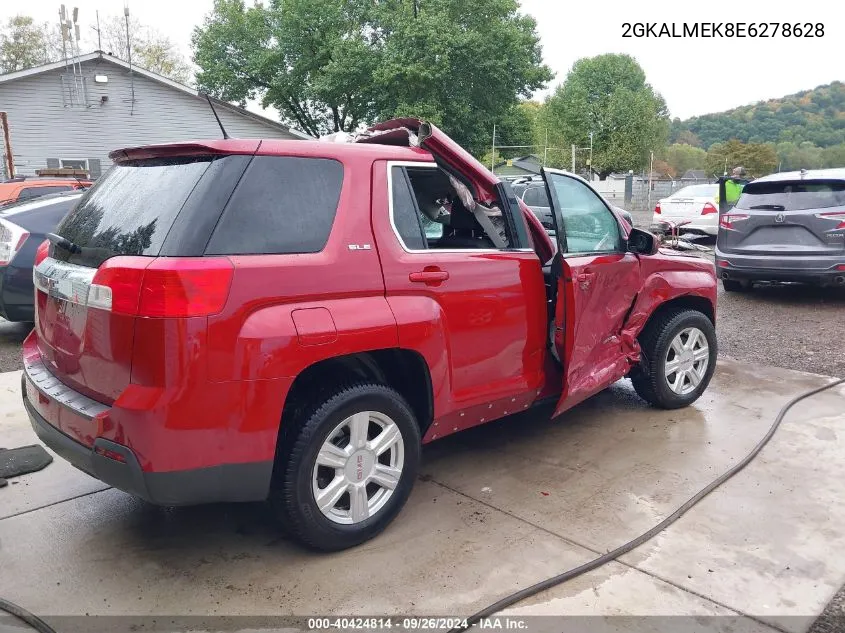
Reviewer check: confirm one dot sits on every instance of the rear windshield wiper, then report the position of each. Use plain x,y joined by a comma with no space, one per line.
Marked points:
63,242
770,207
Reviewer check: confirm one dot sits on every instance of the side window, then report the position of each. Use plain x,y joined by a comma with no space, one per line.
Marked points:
405,216
588,224
427,212
283,204
28,193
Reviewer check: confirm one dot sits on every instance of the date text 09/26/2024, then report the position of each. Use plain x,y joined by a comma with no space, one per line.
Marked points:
415,624
722,29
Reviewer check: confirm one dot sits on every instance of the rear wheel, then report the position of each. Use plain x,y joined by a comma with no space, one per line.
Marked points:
349,467
733,285
678,358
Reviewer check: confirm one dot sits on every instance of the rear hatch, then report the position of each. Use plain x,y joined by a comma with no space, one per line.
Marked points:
789,217
130,249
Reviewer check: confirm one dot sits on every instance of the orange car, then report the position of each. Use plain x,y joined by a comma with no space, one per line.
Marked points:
23,188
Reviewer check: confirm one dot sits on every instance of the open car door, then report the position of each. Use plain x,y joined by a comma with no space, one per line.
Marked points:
597,281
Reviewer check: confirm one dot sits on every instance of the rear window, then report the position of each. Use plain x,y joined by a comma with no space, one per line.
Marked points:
536,197
130,209
697,191
792,196
36,192
283,204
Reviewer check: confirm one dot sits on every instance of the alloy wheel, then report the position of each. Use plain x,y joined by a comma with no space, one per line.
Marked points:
358,467
686,360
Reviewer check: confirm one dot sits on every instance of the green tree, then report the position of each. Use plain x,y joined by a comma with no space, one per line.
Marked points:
792,156
834,156
516,128
329,66
817,116
682,157
608,95
758,159
24,44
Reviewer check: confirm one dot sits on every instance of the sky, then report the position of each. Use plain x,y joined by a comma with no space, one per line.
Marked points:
694,75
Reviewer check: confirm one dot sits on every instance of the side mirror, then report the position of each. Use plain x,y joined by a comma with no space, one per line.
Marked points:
642,242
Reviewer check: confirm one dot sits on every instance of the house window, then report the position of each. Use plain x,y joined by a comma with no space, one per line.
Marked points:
74,163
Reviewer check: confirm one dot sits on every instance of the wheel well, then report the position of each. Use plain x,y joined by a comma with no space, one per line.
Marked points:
686,302
401,369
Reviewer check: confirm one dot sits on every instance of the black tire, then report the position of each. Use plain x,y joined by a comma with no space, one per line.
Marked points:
291,492
732,285
648,378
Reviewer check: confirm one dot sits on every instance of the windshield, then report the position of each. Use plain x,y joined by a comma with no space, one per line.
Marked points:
792,195
697,191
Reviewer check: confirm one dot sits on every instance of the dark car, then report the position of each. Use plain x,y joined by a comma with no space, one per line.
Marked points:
533,193
23,227
785,227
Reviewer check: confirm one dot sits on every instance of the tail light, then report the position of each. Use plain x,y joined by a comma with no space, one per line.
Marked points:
834,215
163,287
724,263
12,237
42,252
728,220
709,209
657,209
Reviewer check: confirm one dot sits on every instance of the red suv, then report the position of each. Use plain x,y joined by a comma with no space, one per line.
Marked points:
242,320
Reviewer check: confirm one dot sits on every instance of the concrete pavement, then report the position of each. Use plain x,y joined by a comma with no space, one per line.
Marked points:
497,508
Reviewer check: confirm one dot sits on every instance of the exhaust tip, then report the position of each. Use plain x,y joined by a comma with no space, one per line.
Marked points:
839,280
726,276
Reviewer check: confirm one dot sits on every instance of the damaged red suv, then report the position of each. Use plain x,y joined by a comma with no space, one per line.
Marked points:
242,320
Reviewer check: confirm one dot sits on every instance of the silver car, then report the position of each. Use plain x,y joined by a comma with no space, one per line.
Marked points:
785,227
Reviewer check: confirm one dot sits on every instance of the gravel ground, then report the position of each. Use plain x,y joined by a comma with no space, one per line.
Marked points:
792,326
11,337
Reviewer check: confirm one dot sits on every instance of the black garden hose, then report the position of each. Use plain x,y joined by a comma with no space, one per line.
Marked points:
561,578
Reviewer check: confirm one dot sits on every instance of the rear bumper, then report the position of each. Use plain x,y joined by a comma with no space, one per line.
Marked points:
223,483
818,269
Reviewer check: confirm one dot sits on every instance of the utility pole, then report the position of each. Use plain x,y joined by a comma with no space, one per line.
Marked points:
650,172
129,55
63,29
573,158
591,157
99,34
7,144
493,157
546,148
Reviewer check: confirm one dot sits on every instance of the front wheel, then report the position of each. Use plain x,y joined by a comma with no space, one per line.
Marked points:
349,468
678,359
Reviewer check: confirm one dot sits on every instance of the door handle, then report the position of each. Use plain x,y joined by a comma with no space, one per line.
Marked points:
429,275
